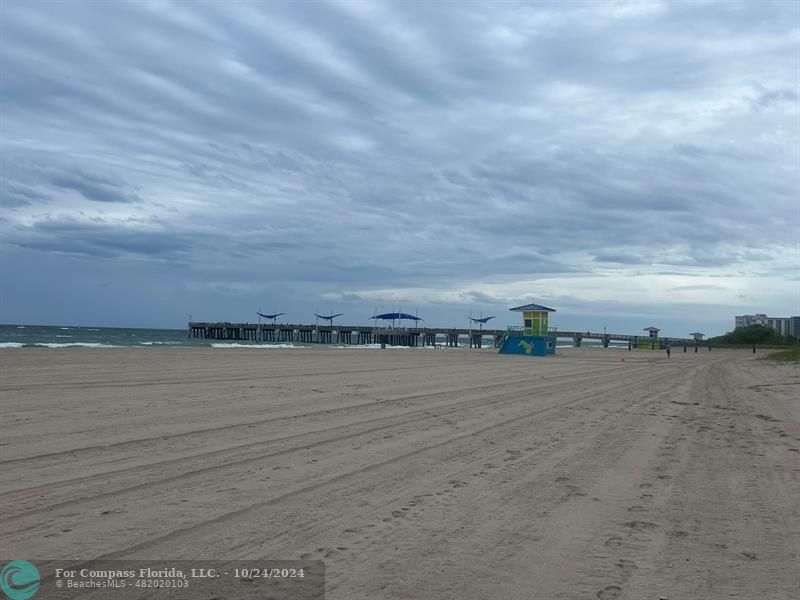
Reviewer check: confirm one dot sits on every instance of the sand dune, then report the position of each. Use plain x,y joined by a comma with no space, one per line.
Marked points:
414,473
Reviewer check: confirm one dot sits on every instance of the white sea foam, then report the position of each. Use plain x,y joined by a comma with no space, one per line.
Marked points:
63,336
358,346
234,345
159,343
75,345
11,345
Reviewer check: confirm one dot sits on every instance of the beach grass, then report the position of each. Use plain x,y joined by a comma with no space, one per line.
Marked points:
792,355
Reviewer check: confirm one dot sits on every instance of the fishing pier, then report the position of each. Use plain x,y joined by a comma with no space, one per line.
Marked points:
342,334
391,336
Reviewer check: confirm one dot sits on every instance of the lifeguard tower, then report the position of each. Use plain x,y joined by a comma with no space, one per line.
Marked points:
653,338
534,338
698,337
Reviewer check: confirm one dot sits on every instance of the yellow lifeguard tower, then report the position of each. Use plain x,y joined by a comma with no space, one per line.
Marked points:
534,337
534,318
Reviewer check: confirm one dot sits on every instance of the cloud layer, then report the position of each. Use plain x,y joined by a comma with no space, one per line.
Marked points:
218,157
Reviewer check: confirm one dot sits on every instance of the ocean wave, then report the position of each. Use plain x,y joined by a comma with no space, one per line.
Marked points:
63,336
234,345
11,345
72,345
162,343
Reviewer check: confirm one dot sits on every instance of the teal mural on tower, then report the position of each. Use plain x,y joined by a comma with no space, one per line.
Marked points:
529,345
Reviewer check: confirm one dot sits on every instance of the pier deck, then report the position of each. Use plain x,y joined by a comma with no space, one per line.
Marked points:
396,336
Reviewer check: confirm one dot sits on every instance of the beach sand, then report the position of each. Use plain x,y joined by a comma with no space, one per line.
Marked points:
435,474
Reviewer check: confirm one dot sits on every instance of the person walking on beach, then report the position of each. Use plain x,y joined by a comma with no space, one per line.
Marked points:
668,350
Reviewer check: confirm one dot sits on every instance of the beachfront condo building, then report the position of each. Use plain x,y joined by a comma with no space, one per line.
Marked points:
747,320
783,325
794,327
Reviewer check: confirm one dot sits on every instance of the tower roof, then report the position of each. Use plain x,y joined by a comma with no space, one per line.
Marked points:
533,307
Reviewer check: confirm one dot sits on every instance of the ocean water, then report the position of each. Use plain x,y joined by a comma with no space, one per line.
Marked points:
49,336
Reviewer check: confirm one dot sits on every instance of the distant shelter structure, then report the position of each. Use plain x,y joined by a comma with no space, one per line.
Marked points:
653,337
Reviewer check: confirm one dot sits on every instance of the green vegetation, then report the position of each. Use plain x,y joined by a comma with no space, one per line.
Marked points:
755,334
792,355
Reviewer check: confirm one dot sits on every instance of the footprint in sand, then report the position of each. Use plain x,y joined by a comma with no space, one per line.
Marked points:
641,525
609,593
679,533
626,565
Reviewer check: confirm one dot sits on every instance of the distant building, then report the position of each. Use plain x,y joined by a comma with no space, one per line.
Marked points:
794,327
780,324
747,320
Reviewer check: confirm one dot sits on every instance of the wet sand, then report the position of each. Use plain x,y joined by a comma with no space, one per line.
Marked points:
414,473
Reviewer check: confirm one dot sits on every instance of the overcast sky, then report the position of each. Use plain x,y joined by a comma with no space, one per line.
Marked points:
629,164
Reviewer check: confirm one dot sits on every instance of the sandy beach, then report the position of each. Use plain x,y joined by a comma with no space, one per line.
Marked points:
435,474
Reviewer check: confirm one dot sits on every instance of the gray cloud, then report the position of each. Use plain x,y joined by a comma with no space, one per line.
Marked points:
99,239
338,147
14,194
93,187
